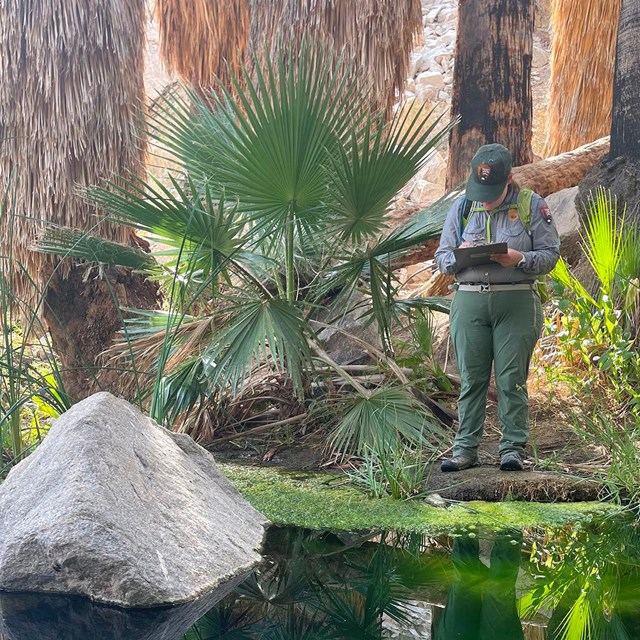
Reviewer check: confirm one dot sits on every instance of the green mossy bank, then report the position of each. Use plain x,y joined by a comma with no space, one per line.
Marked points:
325,501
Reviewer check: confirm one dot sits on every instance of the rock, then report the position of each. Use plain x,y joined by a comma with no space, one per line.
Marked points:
540,57
431,79
565,214
491,484
427,93
432,16
448,37
337,340
420,64
113,507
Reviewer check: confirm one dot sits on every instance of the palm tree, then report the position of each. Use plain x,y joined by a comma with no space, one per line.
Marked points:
71,95
625,128
618,171
582,67
202,40
491,82
280,212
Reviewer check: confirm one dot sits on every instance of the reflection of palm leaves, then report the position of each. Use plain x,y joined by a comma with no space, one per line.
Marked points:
316,587
354,610
588,578
226,621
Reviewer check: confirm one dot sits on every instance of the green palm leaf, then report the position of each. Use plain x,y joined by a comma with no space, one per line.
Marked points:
378,162
381,420
603,240
73,243
259,332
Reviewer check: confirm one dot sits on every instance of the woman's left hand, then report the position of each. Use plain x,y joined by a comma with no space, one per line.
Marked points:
509,259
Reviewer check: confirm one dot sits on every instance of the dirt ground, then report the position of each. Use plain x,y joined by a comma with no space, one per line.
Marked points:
558,465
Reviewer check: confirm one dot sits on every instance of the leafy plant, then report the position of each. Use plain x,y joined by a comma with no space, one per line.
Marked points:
30,381
595,330
279,211
400,473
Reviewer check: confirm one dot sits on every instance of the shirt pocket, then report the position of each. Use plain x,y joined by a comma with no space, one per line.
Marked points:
476,230
513,228
514,233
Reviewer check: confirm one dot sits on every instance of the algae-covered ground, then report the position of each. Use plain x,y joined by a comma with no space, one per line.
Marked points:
327,501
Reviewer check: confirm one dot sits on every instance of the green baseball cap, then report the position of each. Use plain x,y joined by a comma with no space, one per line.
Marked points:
490,170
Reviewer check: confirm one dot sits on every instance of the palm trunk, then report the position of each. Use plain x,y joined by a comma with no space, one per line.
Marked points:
582,64
492,82
71,99
625,129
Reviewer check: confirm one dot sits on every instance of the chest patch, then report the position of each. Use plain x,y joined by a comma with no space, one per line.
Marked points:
513,214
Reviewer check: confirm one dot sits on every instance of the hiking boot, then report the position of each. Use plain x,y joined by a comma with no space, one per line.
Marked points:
511,462
459,463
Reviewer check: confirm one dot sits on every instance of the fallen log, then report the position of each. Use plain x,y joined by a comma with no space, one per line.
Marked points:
561,171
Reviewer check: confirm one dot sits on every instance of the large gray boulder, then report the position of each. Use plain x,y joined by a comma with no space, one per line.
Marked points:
565,213
113,507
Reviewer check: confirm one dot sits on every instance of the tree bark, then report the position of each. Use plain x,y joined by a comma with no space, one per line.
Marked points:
84,312
562,171
492,82
625,128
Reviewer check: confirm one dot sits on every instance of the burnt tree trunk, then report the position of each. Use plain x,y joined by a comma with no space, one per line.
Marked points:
620,171
491,82
625,127
84,312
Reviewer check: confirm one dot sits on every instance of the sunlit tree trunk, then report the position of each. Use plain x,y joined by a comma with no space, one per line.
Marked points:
582,62
492,81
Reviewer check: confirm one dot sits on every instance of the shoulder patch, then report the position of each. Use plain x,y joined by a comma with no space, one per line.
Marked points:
545,212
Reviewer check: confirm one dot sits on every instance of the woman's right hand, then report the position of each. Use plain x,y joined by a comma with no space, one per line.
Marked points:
466,243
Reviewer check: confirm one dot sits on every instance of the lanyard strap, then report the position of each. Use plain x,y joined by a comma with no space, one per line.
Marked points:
475,208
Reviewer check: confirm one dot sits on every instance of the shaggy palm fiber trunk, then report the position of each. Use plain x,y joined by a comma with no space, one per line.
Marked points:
201,40
375,36
582,66
71,97
625,129
491,82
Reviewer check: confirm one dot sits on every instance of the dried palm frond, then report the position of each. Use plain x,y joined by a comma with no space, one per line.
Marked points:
71,92
201,40
582,65
376,36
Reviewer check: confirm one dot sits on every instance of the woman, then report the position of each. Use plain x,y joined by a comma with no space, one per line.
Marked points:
496,314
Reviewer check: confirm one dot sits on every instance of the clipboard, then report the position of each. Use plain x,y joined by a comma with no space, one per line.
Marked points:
473,256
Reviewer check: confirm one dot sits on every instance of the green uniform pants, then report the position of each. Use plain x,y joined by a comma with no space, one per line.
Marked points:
499,328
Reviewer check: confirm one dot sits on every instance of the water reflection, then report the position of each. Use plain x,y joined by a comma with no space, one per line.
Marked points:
481,603
573,583
50,617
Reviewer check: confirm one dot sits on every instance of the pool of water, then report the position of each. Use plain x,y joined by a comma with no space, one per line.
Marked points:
579,581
